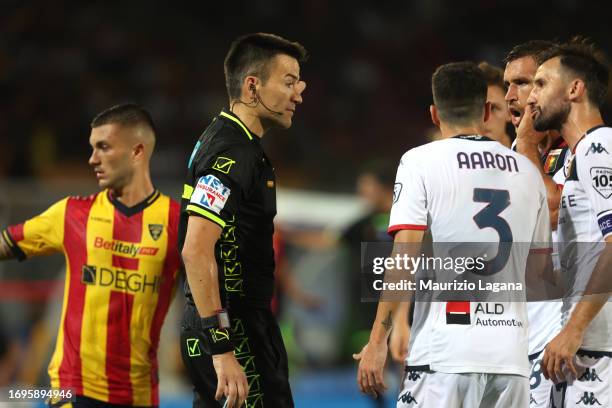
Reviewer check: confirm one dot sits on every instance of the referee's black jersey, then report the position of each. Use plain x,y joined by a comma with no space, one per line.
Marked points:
231,182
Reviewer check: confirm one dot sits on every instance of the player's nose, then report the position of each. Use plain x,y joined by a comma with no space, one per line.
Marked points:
511,93
299,88
93,159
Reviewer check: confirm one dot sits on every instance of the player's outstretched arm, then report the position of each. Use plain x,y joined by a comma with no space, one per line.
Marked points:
201,270
561,350
5,251
527,142
374,354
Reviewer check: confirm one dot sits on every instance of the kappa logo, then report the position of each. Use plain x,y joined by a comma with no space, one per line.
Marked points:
590,375
155,230
588,398
596,149
397,190
407,398
223,164
414,375
532,400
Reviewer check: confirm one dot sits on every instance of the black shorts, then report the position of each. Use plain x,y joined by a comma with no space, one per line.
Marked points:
86,402
259,349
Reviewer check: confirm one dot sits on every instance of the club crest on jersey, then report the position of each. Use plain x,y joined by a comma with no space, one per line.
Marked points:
155,230
552,161
602,181
210,193
596,149
397,190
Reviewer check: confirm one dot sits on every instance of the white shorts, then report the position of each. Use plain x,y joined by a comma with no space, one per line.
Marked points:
593,387
429,389
540,388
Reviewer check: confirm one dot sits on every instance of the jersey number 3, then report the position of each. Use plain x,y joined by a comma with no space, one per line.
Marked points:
498,201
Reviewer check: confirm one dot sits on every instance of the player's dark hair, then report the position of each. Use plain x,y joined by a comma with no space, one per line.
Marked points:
583,59
459,92
250,55
531,48
126,114
493,75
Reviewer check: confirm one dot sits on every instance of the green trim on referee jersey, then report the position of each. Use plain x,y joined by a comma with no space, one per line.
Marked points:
187,191
206,214
230,117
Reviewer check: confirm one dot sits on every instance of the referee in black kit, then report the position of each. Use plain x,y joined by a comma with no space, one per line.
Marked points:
230,341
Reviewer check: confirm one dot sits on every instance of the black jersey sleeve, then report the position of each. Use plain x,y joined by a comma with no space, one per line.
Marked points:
222,176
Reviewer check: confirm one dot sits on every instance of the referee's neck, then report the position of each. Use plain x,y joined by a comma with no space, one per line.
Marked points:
250,118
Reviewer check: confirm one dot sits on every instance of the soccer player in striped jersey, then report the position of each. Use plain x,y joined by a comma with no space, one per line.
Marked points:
122,263
569,90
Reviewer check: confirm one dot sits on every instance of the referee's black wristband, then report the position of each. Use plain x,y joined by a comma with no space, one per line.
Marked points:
217,341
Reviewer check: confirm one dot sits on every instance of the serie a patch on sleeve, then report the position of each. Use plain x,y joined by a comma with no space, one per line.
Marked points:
210,193
605,222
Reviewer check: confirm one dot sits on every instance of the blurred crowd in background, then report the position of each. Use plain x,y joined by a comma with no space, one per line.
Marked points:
367,101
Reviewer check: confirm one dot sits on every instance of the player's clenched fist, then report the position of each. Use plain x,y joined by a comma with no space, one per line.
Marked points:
231,380
371,365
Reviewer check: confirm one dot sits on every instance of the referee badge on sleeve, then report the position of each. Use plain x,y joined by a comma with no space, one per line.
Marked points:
210,193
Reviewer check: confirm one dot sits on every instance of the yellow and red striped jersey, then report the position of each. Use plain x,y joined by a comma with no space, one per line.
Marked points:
121,272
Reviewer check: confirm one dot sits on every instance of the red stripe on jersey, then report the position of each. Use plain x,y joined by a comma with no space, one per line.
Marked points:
127,229
119,347
75,244
125,263
16,232
394,228
458,307
171,264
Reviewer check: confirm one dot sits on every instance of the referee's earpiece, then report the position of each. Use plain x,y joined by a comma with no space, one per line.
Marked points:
252,89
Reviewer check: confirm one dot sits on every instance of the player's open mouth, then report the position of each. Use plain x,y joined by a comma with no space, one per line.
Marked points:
515,116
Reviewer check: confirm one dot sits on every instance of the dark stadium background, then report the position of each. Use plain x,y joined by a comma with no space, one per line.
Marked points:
367,99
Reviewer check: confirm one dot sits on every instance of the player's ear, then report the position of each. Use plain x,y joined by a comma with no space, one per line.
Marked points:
487,111
576,89
435,119
138,151
249,88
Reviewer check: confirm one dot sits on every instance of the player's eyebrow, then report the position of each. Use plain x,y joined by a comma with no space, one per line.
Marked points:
292,76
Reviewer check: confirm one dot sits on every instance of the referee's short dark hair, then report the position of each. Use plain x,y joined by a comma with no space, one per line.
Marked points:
459,92
580,57
532,48
250,55
126,114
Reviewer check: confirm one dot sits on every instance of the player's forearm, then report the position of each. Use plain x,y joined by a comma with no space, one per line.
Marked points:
597,291
383,322
202,276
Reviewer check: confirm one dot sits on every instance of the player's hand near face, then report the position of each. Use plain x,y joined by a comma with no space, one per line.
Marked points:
231,380
372,360
525,133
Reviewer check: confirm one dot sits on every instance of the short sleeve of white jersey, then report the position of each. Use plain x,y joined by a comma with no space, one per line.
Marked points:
409,210
541,240
594,168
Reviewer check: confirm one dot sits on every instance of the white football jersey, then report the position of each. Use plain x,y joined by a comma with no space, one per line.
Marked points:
472,189
585,220
545,317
